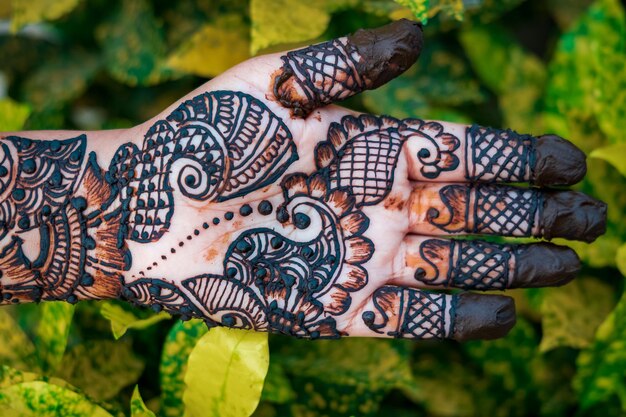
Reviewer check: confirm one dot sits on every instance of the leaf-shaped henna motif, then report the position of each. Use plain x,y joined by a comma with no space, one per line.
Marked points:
361,153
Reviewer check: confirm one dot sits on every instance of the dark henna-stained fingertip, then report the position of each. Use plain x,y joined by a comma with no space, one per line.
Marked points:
482,316
572,215
544,265
557,162
387,51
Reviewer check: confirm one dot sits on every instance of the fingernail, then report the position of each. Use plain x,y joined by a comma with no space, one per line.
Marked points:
544,264
482,316
557,162
572,215
387,51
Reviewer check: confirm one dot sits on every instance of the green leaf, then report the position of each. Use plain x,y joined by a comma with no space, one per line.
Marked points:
439,81
16,348
61,80
286,21
505,365
178,345
572,314
225,41
35,11
620,259
349,376
225,373
122,319
277,388
137,407
12,115
43,399
586,81
133,45
600,375
517,76
52,332
614,155
419,8
101,368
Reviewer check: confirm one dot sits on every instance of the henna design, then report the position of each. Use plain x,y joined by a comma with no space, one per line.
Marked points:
438,151
506,211
361,153
407,313
40,182
323,73
295,285
471,264
274,283
220,145
494,154
68,266
224,145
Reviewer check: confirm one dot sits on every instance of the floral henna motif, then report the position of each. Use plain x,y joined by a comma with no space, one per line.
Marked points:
437,153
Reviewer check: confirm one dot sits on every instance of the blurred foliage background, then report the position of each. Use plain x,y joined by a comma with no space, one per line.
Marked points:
555,66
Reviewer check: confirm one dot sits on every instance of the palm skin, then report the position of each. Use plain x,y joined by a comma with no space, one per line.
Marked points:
254,203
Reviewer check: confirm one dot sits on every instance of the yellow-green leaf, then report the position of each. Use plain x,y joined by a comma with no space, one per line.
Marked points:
572,314
101,368
137,406
614,155
133,45
42,399
122,319
286,21
225,373
60,80
213,48
12,115
16,349
620,259
34,11
517,76
178,345
600,375
51,333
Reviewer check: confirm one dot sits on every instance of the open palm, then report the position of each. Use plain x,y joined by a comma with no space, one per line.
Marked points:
255,203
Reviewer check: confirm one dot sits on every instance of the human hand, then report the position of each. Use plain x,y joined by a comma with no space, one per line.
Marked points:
255,203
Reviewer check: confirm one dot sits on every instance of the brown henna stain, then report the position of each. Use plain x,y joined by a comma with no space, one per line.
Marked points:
394,202
544,265
557,162
483,317
572,215
387,51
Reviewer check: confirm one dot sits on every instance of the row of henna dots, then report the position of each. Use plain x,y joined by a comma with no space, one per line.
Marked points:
264,208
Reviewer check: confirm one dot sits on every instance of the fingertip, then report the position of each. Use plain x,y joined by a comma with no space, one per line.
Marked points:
545,265
387,51
557,162
483,317
573,215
